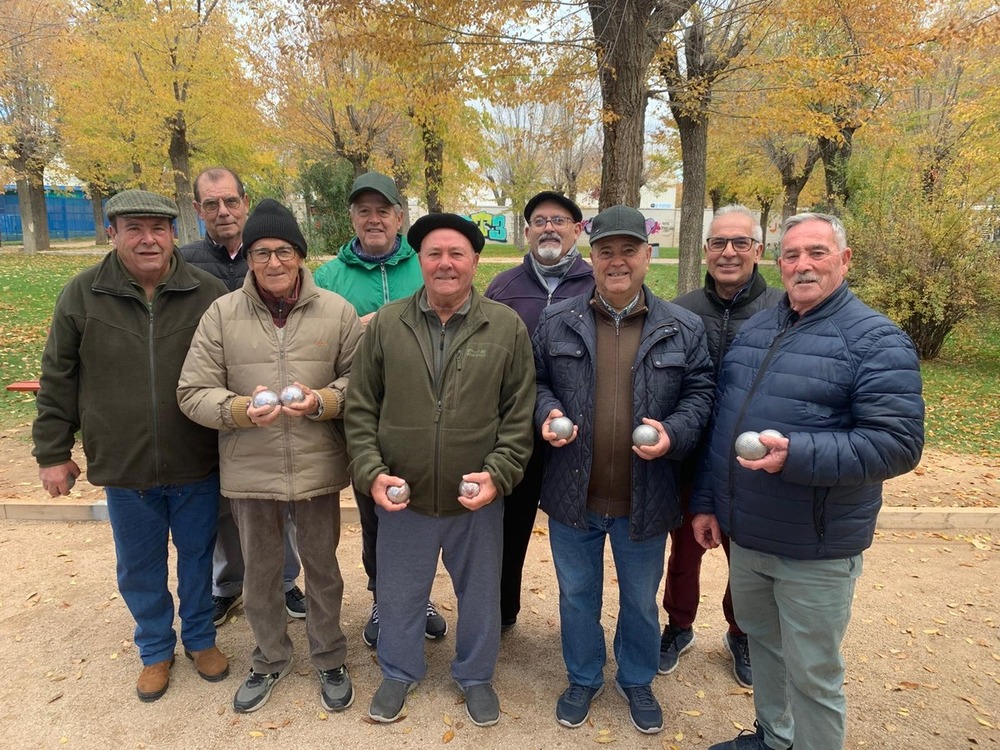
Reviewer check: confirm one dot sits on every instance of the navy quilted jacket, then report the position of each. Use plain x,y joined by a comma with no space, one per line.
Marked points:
842,383
672,382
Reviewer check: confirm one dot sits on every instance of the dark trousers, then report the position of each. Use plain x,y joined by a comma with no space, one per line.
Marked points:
369,535
520,509
682,588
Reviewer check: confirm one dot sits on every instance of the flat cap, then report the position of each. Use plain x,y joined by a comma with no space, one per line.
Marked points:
379,183
427,224
140,203
551,195
616,221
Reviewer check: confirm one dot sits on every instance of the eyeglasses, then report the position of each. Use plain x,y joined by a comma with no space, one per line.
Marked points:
558,222
211,205
816,254
263,255
740,244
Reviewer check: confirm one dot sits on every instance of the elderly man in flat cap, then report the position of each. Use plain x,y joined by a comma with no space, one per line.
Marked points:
118,339
439,430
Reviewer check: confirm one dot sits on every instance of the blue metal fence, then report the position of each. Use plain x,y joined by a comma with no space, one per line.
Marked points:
70,214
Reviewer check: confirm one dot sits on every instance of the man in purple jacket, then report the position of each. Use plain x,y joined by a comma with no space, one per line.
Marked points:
552,271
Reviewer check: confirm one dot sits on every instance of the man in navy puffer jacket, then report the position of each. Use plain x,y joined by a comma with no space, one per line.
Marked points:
841,382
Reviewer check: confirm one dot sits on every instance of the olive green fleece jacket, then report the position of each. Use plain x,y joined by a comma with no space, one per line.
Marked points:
236,348
110,369
478,418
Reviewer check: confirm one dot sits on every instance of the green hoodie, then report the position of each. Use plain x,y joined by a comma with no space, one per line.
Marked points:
368,285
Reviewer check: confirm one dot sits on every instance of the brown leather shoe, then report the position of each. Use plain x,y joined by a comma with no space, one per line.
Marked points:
211,663
154,680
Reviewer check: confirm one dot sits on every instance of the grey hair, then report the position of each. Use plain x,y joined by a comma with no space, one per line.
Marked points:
737,208
839,233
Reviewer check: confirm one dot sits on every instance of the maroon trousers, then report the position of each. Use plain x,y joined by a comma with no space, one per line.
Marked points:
682,588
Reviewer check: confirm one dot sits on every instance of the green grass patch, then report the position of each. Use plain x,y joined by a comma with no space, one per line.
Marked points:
961,387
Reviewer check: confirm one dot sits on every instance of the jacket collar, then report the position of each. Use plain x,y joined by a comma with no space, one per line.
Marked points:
840,297
347,255
754,287
112,279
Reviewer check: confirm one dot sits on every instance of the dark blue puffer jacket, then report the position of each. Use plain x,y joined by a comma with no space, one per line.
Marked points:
672,382
842,383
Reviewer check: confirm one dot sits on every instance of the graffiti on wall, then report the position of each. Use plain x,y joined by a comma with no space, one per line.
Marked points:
493,226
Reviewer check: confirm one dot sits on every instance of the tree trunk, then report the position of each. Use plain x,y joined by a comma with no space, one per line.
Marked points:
627,33
433,167
34,216
765,213
836,153
693,133
96,201
180,155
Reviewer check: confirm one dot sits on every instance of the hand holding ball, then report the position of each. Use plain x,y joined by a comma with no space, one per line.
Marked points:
749,447
398,493
265,398
468,489
291,394
645,435
562,427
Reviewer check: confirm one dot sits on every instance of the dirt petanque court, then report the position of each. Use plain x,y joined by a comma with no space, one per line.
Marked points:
922,652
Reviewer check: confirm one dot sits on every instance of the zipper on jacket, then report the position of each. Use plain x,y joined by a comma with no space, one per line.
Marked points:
385,284
153,410
723,342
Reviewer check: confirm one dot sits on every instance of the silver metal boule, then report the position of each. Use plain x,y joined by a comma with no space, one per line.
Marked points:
645,435
468,489
562,427
291,394
265,398
398,493
748,446
771,433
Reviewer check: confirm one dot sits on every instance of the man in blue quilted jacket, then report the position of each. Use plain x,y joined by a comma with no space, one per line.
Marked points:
611,361
841,383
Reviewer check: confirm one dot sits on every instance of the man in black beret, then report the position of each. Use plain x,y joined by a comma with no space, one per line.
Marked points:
439,430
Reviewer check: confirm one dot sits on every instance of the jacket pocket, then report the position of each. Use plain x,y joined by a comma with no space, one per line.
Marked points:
567,372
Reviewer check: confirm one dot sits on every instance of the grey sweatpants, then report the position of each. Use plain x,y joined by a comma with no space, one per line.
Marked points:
471,546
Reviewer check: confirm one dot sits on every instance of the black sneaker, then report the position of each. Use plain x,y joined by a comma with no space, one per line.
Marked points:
295,603
370,634
643,708
222,606
389,700
739,650
573,706
255,691
436,627
482,704
335,689
673,643
746,740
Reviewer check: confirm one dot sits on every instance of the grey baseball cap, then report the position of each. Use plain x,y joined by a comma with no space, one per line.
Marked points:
140,203
618,220
380,183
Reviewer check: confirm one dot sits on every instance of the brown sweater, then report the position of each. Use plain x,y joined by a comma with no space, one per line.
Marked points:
610,489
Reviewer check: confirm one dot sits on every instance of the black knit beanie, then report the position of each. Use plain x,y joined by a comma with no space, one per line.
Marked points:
271,219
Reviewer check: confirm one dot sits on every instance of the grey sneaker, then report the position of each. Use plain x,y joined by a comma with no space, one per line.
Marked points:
387,704
673,643
482,704
573,706
370,634
643,708
436,627
739,649
255,691
222,606
335,689
295,603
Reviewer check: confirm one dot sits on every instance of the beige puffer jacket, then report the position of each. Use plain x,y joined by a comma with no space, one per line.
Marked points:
236,348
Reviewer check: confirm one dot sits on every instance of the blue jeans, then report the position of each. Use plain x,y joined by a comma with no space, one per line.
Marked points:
578,557
140,522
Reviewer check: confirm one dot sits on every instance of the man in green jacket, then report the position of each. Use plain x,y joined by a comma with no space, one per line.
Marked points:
376,267
119,335
438,422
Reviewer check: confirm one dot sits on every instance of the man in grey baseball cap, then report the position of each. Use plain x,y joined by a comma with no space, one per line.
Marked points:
612,361
119,335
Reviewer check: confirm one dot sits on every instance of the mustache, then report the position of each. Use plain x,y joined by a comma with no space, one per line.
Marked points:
550,236
805,278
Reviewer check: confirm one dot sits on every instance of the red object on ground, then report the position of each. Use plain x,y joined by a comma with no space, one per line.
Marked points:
25,386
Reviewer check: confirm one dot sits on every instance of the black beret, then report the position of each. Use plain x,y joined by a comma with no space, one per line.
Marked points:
549,195
427,224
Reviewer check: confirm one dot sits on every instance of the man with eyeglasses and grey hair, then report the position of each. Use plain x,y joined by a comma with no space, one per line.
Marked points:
223,205
734,291
840,384
552,270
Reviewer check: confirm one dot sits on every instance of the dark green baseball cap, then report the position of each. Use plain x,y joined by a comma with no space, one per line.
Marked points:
379,183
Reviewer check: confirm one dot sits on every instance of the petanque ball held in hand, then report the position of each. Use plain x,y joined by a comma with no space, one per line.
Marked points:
468,489
645,435
562,427
265,398
291,394
749,447
398,493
